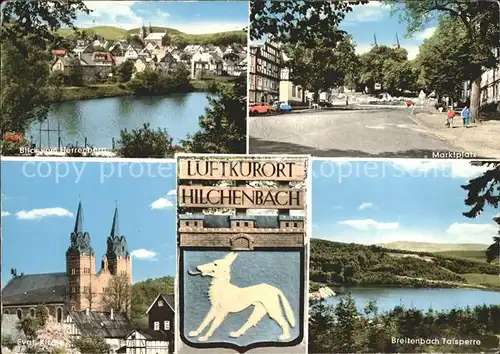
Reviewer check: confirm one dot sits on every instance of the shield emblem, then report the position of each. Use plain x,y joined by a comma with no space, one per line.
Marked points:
241,281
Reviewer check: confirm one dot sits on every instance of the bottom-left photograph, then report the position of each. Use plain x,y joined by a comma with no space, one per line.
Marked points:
88,256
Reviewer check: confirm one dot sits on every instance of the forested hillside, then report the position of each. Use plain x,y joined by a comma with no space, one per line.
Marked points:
337,263
143,295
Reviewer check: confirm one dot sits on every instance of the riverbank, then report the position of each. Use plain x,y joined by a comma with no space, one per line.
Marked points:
91,92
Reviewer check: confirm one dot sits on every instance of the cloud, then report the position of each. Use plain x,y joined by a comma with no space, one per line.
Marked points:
472,233
455,169
161,203
426,33
371,12
370,224
37,214
127,15
172,192
208,27
365,206
145,255
110,13
5,213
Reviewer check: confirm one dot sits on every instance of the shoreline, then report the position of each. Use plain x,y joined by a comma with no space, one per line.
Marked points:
100,91
428,285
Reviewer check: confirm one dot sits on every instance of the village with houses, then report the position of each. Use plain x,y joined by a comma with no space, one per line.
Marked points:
150,50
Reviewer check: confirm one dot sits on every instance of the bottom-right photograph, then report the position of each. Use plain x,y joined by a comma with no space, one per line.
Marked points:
405,256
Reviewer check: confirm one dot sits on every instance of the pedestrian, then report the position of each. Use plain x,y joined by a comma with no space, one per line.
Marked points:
466,116
449,118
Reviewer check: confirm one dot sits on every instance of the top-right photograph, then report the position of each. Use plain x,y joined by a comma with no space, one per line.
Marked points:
416,79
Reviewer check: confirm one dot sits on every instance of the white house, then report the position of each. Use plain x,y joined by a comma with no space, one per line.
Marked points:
146,341
204,63
131,53
192,49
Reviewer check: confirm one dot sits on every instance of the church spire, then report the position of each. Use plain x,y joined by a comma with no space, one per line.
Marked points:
115,231
398,45
79,219
375,44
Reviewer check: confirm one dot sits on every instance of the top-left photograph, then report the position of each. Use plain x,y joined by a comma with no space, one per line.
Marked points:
132,79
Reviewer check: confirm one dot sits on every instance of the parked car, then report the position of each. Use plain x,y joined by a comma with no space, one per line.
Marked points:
261,108
323,103
283,107
409,103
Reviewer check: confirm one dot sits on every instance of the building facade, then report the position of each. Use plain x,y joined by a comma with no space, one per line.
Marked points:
490,85
290,92
80,286
161,317
265,70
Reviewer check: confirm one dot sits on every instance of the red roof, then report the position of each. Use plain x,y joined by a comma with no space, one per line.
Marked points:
59,51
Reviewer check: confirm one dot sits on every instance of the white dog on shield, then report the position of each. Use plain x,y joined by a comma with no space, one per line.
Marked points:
226,298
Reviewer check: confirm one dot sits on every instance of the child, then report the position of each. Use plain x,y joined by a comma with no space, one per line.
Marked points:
449,118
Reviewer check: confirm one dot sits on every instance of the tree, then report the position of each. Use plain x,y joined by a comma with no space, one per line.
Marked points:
29,29
166,40
145,142
493,251
75,72
299,21
123,72
483,190
90,345
445,60
135,41
321,67
346,325
386,66
24,76
118,296
321,320
480,20
31,326
223,126
55,338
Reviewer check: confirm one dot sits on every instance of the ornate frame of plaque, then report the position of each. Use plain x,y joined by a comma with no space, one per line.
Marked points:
242,279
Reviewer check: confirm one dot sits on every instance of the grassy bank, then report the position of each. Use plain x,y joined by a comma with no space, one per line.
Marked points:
90,92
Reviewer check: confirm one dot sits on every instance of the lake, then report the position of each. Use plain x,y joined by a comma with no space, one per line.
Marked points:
438,299
101,120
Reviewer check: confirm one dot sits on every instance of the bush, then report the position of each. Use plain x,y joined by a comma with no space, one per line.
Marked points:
12,143
91,345
8,341
146,142
57,78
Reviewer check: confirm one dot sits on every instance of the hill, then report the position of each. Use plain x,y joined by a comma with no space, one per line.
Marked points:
156,29
179,38
108,32
338,263
433,247
144,293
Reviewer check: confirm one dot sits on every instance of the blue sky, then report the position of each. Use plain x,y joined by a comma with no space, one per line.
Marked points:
405,200
188,17
374,18
39,206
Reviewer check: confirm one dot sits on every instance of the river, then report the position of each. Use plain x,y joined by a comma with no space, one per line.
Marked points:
101,120
438,299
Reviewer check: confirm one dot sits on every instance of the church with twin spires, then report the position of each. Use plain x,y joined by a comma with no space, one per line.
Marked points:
80,287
